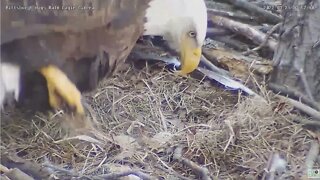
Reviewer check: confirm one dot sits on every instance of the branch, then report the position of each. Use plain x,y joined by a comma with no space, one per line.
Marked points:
61,170
217,31
171,171
233,43
230,15
294,94
269,33
304,108
12,161
249,8
243,29
312,155
103,176
198,170
14,173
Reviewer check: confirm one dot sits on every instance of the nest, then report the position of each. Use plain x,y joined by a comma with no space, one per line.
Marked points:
149,123
153,123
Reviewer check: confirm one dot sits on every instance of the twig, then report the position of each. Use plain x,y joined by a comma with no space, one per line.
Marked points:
12,161
231,138
104,176
311,158
293,94
17,174
268,34
92,113
304,108
263,15
4,177
171,171
307,124
312,155
268,166
3,169
305,84
230,15
233,43
316,44
275,164
126,173
256,36
61,170
213,32
198,170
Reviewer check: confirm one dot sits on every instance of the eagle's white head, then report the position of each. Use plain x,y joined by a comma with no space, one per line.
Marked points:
183,24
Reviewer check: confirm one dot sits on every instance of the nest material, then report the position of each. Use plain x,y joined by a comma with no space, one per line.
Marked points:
151,123
144,114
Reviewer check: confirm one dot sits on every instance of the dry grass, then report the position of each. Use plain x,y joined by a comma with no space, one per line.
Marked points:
143,114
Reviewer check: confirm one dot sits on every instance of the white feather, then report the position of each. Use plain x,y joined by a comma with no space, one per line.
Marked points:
226,81
168,17
9,81
215,73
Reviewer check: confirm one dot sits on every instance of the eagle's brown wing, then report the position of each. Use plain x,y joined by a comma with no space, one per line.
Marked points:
84,38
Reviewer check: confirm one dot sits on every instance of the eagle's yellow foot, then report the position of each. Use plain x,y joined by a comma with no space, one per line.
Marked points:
60,87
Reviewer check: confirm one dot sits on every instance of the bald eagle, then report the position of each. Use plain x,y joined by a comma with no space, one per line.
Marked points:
75,43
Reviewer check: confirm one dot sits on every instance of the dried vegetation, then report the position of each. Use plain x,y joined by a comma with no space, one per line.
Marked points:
152,124
144,115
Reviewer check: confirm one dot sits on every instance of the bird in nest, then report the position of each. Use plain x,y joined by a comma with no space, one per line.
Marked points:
74,49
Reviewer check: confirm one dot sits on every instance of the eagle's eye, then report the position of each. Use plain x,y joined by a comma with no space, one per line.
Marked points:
192,34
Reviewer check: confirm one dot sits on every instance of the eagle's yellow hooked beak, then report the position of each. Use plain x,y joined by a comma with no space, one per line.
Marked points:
190,56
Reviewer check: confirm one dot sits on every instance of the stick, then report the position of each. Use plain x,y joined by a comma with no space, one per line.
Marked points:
268,34
230,15
4,169
126,173
312,155
306,84
243,29
60,170
200,171
304,108
213,32
249,8
17,174
12,161
293,94
233,43
104,176
171,171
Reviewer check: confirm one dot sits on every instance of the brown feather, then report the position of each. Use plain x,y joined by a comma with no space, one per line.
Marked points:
85,44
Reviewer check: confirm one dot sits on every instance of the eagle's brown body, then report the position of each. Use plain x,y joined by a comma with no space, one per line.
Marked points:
74,43
85,44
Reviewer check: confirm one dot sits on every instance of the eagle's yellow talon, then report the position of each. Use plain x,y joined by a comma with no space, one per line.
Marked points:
59,85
